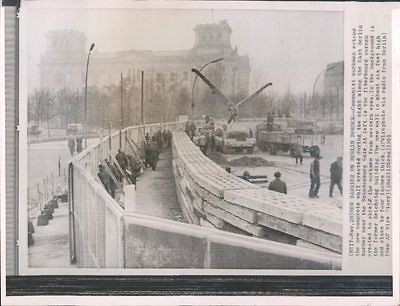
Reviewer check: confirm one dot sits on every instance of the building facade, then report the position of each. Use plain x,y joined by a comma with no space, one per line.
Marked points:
166,73
333,88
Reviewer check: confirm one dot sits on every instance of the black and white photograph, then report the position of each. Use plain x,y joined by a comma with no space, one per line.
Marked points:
184,138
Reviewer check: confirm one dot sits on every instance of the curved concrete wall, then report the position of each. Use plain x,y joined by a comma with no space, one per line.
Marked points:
104,235
211,196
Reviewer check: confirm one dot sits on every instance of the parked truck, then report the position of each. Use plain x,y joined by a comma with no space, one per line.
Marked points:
284,136
234,140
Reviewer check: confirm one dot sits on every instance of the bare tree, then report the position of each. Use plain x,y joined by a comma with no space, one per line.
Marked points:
41,107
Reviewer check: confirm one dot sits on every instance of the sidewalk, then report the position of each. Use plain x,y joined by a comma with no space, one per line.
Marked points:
51,247
156,192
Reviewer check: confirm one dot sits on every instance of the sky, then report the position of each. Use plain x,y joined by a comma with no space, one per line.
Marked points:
287,48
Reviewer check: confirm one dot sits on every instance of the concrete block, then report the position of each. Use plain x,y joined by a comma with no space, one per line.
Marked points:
329,221
255,230
239,211
315,236
205,223
218,183
268,202
215,221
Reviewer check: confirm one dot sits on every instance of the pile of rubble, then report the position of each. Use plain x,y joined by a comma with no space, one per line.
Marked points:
251,161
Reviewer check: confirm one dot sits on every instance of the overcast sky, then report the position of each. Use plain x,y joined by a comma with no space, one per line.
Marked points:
288,48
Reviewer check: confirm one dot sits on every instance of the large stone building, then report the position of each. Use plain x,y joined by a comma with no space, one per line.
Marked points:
64,64
333,88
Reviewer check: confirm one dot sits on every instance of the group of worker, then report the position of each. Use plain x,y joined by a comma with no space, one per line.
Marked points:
206,139
336,175
113,173
75,144
154,145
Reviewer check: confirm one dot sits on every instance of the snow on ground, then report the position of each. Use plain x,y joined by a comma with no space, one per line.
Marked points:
51,247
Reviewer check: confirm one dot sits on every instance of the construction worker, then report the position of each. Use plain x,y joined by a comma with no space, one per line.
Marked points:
79,144
134,168
212,142
192,128
106,180
71,145
315,177
147,157
277,184
154,153
122,159
203,143
336,171
159,140
298,152
147,137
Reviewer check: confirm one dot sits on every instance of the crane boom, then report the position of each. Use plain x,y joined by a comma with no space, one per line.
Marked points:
254,95
233,108
214,89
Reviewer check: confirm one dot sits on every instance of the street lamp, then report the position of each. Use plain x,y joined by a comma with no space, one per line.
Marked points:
195,79
87,68
316,80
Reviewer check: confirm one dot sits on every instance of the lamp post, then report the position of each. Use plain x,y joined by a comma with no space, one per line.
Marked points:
195,79
316,80
86,78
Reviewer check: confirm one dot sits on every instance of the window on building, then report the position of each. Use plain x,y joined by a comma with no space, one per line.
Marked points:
159,77
172,77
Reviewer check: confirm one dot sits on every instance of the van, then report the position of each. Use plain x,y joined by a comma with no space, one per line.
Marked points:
75,129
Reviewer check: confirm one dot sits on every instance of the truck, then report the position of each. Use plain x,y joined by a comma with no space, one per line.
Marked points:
234,140
285,135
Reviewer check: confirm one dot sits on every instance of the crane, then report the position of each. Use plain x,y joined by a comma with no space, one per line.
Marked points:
232,107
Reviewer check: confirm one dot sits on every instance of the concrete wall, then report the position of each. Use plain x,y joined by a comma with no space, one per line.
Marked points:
212,197
157,243
105,235
96,223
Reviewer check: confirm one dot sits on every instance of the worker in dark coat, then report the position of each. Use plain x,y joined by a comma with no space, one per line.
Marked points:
71,145
154,153
336,171
315,177
212,142
277,184
147,157
106,180
122,159
147,137
192,128
169,138
79,144
298,152
159,141
134,168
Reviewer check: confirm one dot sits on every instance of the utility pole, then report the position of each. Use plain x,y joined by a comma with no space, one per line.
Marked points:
305,106
122,103
337,102
121,119
141,100
86,81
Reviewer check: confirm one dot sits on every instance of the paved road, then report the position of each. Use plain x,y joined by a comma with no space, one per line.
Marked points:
297,176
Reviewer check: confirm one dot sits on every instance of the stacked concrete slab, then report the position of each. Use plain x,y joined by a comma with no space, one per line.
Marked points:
212,197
